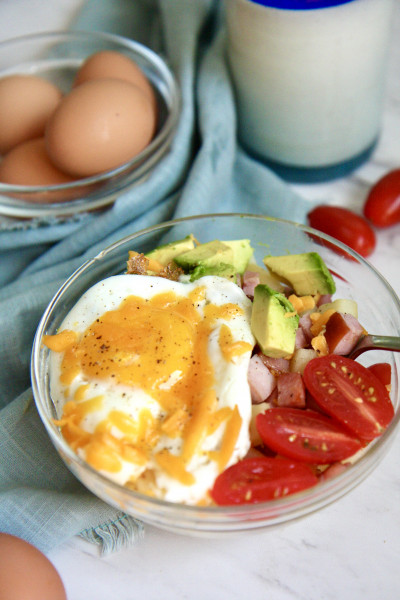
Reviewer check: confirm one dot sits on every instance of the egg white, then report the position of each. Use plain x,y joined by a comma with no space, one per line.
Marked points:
231,385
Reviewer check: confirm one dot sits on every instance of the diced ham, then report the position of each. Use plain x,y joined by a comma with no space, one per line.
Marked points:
301,340
324,299
249,281
275,365
291,391
261,380
342,333
305,325
273,396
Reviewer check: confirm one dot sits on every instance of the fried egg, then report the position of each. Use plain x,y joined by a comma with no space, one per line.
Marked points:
149,377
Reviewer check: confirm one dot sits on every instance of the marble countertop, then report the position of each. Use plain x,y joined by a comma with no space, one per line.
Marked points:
349,550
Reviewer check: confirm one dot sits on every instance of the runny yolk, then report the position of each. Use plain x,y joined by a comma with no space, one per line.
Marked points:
159,345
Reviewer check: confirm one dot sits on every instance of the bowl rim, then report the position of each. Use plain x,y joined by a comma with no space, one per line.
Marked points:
140,164
298,504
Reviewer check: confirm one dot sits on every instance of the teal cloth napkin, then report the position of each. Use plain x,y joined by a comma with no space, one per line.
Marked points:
205,172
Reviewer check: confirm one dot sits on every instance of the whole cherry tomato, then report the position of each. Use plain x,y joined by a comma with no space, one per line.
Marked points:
344,225
382,206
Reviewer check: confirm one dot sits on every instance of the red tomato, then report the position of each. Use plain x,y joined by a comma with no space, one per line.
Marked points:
305,435
382,206
383,371
350,393
253,480
345,226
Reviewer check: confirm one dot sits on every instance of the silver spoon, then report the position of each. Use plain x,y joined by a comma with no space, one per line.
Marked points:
375,342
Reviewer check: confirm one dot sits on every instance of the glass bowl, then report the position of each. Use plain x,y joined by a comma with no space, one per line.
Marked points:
379,312
57,56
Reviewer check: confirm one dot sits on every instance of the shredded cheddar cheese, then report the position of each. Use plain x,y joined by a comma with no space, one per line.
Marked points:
229,348
319,320
229,440
302,303
174,424
320,345
61,341
175,467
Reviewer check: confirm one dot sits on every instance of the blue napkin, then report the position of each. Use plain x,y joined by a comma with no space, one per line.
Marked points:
205,172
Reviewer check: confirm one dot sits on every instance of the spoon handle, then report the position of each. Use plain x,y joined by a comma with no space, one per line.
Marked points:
376,342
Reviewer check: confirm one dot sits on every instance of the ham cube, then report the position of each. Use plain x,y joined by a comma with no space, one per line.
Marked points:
275,365
261,380
250,280
342,333
324,299
301,339
305,325
291,391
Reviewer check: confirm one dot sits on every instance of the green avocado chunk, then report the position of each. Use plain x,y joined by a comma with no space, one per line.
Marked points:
216,258
208,255
242,253
274,322
306,273
168,252
221,270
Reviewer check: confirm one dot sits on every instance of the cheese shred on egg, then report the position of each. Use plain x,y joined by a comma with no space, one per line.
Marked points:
150,379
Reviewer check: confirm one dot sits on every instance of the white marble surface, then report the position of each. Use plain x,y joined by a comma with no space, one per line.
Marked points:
347,551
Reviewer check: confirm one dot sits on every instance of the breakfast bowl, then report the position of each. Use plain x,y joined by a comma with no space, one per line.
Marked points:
355,280
50,186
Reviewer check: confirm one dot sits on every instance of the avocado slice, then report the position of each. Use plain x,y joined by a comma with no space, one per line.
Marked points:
242,253
167,252
208,255
306,273
220,270
217,258
272,322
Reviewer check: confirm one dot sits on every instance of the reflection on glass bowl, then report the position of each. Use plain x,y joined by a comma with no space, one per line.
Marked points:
379,311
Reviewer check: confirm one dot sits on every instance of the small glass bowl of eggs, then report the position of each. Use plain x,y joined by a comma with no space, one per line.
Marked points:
83,117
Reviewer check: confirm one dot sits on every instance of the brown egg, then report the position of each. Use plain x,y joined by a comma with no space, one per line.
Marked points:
110,63
98,126
26,573
29,164
26,102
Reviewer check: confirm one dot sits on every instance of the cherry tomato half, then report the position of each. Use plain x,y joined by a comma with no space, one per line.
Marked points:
350,393
345,226
306,435
260,479
383,371
382,206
